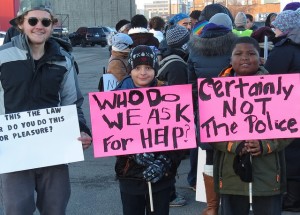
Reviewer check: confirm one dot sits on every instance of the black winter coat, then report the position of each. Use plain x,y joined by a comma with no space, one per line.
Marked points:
285,59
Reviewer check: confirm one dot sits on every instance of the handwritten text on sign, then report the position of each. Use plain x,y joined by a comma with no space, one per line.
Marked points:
39,138
252,107
142,120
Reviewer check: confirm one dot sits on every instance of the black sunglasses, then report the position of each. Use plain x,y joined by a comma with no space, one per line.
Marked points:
33,21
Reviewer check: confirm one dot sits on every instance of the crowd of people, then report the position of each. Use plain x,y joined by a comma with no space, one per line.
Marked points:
204,44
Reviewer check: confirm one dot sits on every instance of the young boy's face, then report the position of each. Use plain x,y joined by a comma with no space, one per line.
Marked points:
245,59
142,75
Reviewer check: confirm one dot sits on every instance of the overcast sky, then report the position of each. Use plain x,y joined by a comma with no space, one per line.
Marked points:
140,3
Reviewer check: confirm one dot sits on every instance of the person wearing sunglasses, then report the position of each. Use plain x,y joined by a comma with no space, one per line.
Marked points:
36,72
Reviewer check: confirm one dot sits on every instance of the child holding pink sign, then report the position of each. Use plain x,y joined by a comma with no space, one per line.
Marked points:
136,170
247,168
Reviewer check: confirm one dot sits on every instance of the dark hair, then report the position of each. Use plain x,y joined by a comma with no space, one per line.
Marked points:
212,9
139,20
250,17
268,20
195,14
248,40
121,23
157,23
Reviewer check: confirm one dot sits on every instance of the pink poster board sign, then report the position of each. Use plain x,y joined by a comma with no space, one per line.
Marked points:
142,120
249,107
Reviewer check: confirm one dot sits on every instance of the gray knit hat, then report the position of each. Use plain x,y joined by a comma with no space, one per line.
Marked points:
121,42
177,36
29,5
287,20
240,19
221,19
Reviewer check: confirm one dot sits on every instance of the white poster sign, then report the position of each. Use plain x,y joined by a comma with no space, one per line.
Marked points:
109,82
39,138
200,188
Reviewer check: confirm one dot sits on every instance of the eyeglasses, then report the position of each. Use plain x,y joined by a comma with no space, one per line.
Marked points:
33,21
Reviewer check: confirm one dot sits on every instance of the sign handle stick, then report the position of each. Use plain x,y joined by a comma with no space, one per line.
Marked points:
150,196
250,189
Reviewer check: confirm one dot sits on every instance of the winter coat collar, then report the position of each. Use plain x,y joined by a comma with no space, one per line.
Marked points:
229,72
138,30
211,46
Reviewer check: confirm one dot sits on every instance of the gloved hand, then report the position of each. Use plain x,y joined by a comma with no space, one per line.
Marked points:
144,159
241,149
158,169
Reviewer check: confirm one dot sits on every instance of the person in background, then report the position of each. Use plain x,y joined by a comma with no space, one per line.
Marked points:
292,6
209,11
194,17
11,32
209,54
240,22
173,71
118,62
263,162
181,19
122,26
259,36
250,23
270,18
284,59
212,9
139,32
136,170
157,25
38,74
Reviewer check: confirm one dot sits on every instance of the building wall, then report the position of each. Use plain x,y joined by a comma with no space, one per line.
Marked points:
76,13
93,12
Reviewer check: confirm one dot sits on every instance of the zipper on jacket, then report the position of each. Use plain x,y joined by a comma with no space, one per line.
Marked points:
277,168
221,171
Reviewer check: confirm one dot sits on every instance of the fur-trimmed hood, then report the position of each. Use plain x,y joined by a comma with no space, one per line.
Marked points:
211,46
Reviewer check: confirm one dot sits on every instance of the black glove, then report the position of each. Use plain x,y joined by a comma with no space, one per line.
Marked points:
158,169
239,148
144,159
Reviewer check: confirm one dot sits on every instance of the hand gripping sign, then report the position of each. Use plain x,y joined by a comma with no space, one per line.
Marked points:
142,120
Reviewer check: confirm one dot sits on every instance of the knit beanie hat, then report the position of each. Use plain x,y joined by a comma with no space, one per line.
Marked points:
221,19
240,19
287,20
143,55
292,6
121,24
177,36
121,42
175,19
212,30
199,27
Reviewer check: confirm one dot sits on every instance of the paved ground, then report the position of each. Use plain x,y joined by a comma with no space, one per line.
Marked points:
94,188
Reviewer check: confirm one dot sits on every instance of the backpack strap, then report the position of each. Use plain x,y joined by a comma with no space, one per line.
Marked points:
167,60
